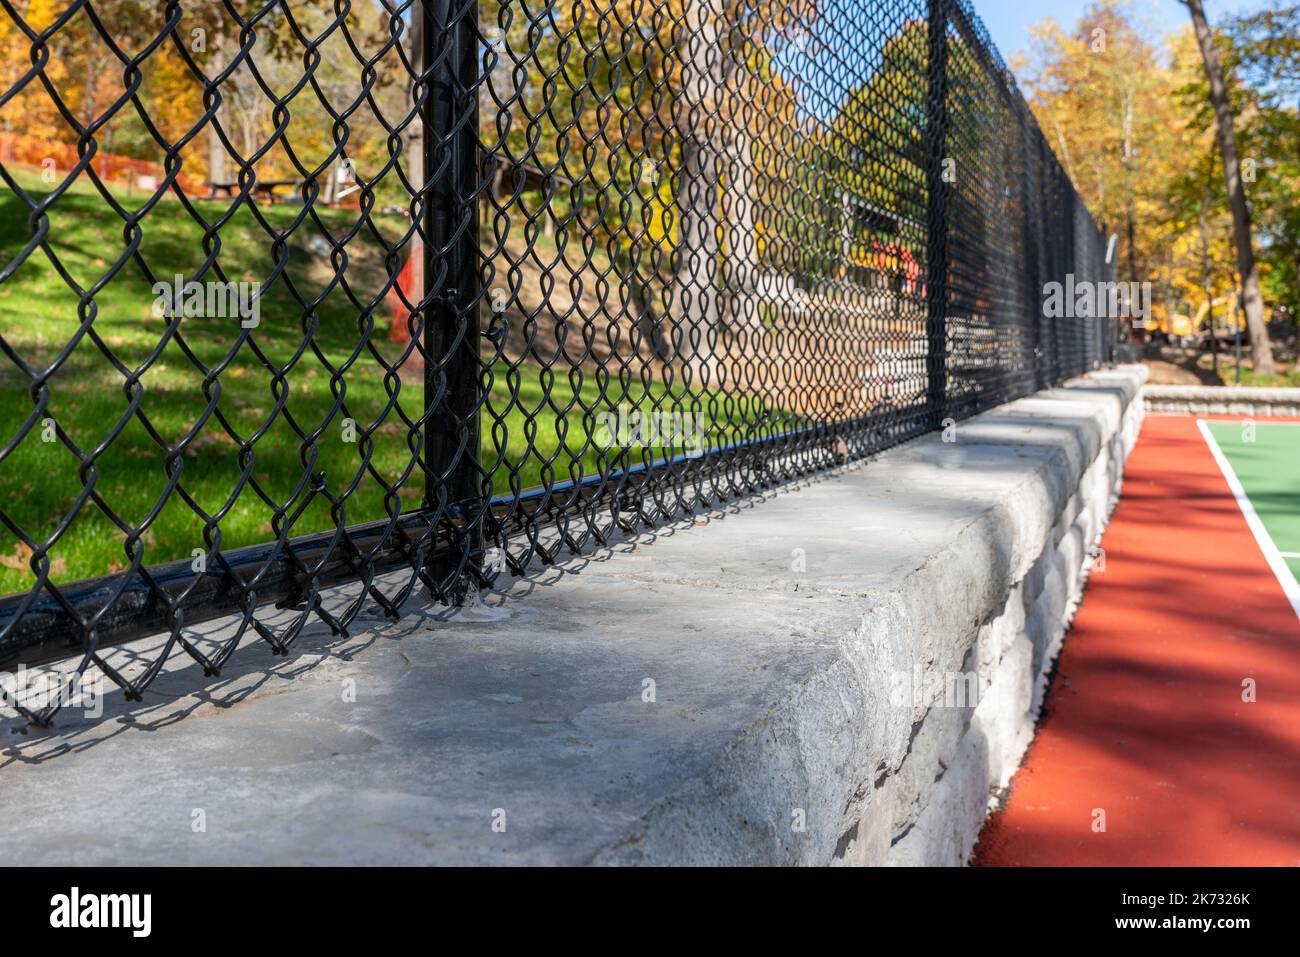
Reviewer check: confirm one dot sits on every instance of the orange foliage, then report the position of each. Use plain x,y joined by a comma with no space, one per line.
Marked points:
35,150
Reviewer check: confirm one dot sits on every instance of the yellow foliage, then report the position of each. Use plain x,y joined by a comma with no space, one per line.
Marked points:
31,111
1119,116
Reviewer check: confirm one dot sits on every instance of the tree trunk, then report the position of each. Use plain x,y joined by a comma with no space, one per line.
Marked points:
1207,277
695,293
1130,216
90,89
1261,348
106,145
696,301
216,157
740,260
216,149
641,306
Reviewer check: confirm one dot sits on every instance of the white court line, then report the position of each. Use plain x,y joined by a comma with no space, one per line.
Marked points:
1290,587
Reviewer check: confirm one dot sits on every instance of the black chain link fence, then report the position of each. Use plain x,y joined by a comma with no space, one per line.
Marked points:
406,296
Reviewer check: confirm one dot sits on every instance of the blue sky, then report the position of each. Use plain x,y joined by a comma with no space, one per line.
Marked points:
833,58
1009,20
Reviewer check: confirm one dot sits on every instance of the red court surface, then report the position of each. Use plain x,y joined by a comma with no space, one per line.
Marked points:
1145,720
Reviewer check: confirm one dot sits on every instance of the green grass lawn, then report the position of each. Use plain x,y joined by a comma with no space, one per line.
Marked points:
526,437
1283,380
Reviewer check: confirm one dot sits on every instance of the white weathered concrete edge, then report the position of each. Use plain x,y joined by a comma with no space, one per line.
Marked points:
1221,400
774,638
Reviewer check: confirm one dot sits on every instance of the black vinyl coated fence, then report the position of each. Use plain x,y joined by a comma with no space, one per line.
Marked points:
406,296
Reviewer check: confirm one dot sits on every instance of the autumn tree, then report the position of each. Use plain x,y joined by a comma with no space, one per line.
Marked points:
1193,254
1265,47
1101,94
30,109
1252,298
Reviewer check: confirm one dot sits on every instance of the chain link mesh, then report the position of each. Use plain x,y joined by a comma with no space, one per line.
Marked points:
502,279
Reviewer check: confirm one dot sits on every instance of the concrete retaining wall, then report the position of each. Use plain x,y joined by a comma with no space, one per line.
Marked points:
760,686
1220,400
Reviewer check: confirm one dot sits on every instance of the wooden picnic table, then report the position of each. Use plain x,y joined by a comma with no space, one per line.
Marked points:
263,188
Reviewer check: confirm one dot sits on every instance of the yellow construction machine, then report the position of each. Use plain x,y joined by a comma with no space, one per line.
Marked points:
1181,328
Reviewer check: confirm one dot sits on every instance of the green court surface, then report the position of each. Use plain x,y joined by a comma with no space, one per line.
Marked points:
1267,464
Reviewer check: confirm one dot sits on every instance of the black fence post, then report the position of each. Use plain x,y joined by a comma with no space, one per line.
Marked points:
451,284
936,248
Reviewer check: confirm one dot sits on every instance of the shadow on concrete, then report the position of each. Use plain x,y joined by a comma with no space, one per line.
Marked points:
181,691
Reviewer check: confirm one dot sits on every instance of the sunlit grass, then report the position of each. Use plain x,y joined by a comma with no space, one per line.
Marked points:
536,427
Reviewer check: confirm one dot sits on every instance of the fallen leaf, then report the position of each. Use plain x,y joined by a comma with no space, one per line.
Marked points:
19,560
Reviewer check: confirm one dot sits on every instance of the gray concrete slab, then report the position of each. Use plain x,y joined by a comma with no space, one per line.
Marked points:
1221,400
692,695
